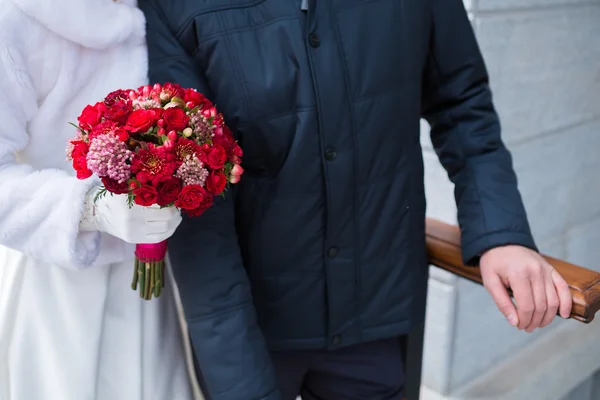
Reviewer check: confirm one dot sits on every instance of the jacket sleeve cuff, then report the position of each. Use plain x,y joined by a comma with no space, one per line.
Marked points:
471,252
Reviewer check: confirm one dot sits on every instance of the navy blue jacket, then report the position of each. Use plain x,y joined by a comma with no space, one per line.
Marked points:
322,243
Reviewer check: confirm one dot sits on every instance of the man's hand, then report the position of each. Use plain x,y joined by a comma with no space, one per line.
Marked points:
538,289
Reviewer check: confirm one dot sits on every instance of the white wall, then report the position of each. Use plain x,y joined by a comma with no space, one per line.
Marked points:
544,61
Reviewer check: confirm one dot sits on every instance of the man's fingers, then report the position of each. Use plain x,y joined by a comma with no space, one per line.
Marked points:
523,294
551,299
502,299
538,291
564,294
538,287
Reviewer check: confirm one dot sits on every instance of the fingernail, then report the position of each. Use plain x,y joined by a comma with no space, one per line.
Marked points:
513,320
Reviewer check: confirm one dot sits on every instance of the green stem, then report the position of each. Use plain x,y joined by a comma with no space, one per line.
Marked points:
153,280
158,280
148,280
160,283
142,275
136,275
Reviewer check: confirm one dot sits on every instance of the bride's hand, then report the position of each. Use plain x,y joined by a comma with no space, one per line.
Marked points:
137,225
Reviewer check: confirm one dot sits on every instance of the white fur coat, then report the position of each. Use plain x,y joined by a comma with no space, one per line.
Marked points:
56,57
70,333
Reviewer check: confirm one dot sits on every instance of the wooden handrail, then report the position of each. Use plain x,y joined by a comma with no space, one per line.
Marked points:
443,246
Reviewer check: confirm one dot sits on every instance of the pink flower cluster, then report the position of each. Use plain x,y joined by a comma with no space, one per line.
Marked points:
202,126
192,171
108,156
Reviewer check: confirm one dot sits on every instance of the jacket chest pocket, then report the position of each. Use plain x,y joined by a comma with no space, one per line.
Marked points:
254,58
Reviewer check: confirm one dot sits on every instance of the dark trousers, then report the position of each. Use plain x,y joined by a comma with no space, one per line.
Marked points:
369,371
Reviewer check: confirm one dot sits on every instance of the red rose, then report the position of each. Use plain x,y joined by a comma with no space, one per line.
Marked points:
81,168
157,113
227,141
237,150
175,119
143,177
191,197
169,191
204,205
171,90
219,140
79,163
216,157
146,177
216,182
203,154
145,195
122,134
113,97
194,97
119,111
84,174
103,128
140,121
91,116
113,186
80,149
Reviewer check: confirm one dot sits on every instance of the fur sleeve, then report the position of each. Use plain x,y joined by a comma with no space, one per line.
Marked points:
39,209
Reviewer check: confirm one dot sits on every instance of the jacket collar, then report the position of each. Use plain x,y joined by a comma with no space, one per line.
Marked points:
91,23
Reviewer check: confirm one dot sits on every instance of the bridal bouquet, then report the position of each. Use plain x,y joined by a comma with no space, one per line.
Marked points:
160,145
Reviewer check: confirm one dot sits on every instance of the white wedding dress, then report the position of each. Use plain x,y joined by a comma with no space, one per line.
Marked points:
71,328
